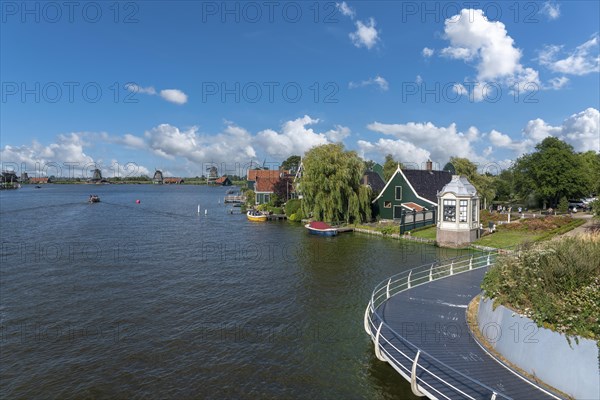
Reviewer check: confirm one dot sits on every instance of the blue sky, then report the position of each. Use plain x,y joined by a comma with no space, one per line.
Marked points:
179,85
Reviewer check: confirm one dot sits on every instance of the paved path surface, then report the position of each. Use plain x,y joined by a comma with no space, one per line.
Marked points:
582,228
433,317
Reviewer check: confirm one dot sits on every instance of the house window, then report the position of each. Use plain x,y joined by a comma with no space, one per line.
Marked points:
474,211
387,204
267,198
462,211
398,192
450,210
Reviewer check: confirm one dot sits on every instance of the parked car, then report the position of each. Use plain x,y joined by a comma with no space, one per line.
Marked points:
577,205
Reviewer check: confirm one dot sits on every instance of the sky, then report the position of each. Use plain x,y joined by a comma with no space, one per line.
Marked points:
134,86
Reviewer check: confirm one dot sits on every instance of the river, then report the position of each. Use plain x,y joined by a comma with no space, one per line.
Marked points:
153,300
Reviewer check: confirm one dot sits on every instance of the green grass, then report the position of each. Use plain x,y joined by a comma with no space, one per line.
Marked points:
503,237
427,233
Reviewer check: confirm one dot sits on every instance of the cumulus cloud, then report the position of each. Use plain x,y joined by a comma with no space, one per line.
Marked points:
345,9
557,83
66,157
581,130
585,59
365,35
171,95
338,134
174,96
377,81
475,39
551,10
417,142
293,138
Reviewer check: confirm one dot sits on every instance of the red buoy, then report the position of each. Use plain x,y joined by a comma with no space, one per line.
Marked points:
138,202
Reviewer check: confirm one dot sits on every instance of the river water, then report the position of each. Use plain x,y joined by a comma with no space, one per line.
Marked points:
153,300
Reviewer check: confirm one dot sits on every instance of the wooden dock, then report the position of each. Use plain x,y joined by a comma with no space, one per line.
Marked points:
234,199
345,229
276,217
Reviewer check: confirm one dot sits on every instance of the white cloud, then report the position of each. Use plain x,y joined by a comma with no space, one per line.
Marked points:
378,81
418,80
581,61
139,89
416,142
366,34
174,96
581,130
345,9
557,83
472,36
338,134
551,10
66,158
294,138
427,52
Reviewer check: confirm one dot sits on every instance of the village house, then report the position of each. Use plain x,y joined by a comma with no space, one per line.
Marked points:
410,197
40,180
262,181
223,181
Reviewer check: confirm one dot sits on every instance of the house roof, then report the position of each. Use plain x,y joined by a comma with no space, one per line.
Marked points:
413,206
266,174
222,179
265,185
172,180
374,180
424,183
427,184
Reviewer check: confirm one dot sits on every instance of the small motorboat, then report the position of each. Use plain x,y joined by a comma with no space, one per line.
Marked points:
256,216
94,198
38,187
321,228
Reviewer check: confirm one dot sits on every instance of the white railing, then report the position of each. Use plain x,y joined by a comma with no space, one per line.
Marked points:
407,358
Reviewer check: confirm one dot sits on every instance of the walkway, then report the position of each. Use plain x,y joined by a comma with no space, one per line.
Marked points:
431,318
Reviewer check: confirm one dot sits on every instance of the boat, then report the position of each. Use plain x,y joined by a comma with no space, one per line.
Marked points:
94,198
38,187
321,228
256,216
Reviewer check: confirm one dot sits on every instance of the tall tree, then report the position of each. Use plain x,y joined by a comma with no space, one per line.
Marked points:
483,183
283,188
389,166
331,186
553,170
591,171
291,163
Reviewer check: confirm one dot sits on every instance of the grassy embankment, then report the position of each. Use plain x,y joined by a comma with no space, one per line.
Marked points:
556,284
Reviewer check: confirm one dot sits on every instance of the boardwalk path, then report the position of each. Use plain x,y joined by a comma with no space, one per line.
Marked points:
433,318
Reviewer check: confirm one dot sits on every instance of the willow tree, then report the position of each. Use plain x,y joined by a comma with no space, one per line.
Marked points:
331,185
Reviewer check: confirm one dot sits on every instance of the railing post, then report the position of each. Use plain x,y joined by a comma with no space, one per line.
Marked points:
377,350
488,260
413,377
452,268
367,324
387,290
471,263
408,280
431,273
493,396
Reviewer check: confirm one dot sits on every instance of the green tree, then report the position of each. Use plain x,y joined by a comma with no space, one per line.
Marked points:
283,188
291,163
552,171
389,166
331,187
563,205
590,161
483,183
369,164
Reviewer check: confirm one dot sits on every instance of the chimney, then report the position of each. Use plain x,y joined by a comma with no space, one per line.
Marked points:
429,165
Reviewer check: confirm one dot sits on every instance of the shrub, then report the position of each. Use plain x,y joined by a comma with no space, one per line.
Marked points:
389,229
292,206
563,205
557,284
295,218
595,205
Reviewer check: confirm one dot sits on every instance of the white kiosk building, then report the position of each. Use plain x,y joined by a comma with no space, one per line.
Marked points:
458,213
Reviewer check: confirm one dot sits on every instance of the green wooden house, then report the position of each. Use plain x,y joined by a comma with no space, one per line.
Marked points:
410,197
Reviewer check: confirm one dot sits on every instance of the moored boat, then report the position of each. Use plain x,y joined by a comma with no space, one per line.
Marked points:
321,228
256,216
94,198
